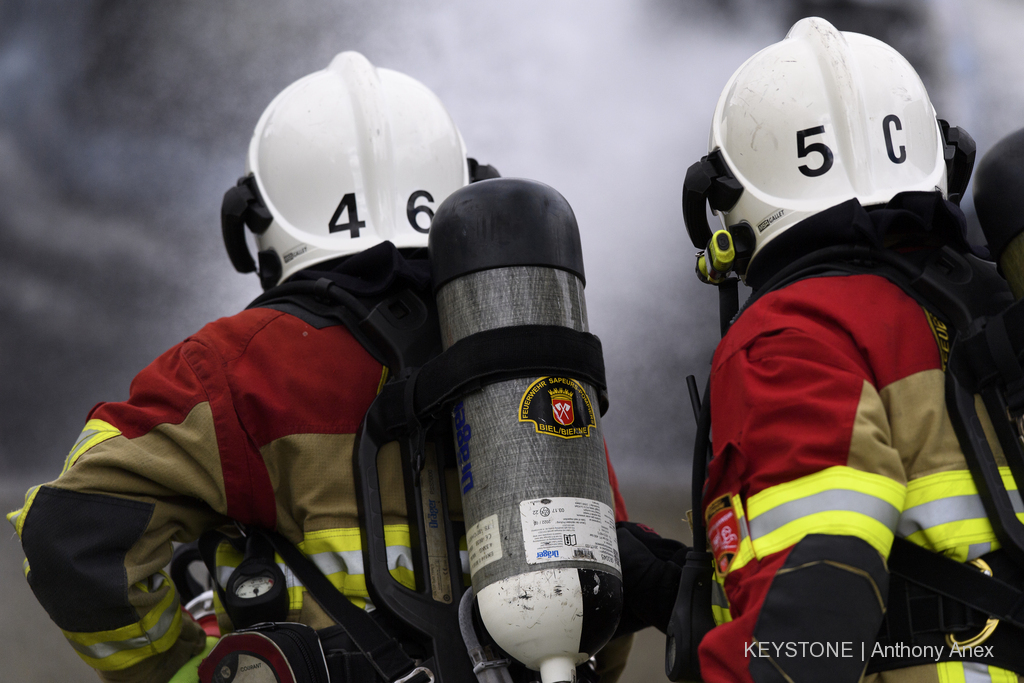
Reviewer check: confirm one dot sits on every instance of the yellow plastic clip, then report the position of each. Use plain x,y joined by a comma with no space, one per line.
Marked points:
715,262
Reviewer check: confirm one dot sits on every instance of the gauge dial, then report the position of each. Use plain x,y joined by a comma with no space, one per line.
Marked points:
254,587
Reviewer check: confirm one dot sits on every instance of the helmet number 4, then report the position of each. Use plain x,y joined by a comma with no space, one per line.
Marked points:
821,148
347,208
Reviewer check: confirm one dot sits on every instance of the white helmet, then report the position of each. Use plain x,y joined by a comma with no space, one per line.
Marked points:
810,122
342,159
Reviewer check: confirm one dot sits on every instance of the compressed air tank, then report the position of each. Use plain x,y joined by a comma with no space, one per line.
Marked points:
533,474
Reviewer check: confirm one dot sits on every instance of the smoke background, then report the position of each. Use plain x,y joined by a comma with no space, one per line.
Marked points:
122,124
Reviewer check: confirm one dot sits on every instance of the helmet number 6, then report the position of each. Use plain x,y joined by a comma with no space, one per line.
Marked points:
821,148
412,211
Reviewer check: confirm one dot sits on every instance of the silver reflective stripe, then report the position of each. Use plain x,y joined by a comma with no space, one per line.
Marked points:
976,550
718,595
353,559
946,510
83,437
976,672
158,631
290,580
744,530
842,500
399,556
330,562
223,574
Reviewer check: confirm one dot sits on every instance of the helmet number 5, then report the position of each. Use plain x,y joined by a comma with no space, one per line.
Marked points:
821,148
412,211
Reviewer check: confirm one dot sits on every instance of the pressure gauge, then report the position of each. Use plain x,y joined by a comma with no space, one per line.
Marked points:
256,592
254,587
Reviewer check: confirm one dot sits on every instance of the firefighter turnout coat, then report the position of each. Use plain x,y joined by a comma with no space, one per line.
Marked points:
251,419
831,436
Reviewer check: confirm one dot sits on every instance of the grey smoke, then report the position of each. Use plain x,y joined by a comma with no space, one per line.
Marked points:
121,125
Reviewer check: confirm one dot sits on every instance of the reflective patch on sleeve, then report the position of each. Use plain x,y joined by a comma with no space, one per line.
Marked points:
95,432
838,501
944,513
123,647
77,544
17,518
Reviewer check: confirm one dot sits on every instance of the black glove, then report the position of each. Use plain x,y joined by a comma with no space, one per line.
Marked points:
651,566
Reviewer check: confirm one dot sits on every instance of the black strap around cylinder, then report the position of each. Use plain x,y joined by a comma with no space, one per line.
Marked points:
508,353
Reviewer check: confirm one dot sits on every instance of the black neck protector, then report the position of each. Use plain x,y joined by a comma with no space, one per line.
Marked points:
921,216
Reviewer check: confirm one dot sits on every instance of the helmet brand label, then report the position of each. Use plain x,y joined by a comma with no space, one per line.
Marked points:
558,406
298,251
770,219
565,528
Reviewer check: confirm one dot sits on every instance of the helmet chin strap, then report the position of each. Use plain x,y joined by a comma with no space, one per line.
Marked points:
959,153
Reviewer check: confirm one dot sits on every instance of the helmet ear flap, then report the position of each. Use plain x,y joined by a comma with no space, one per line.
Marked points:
243,206
707,181
959,153
478,171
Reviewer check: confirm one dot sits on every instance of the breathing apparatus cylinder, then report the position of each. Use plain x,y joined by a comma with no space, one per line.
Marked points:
999,201
538,506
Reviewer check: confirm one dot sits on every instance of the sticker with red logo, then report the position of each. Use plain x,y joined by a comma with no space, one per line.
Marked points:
723,532
558,406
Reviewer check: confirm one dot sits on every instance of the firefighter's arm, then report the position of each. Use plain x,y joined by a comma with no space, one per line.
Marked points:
803,496
142,474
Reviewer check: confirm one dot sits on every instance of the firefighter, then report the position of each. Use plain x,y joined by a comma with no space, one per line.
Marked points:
831,430
253,418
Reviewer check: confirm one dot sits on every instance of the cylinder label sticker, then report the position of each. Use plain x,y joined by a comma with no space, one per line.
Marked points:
483,541
558,529
557,406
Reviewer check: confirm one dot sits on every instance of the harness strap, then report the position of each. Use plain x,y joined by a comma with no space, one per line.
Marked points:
384,653
957,581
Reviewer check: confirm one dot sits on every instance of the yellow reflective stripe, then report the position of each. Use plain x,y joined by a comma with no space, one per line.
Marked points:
17,518
1001,675
719,603
24,565
838,500
945,484
95,432
945,514
973,672
950,672
121,648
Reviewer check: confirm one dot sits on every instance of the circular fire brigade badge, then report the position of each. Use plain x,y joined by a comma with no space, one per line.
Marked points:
558,406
